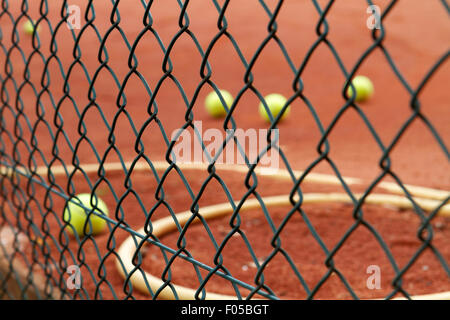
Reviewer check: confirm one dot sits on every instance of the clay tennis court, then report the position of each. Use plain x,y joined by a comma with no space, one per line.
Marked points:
62,106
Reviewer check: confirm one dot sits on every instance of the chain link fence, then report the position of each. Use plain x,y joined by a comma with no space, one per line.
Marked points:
74,90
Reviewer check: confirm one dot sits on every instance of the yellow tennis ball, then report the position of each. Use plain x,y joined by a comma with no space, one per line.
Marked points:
275,102
28,27
76,215
363,87
215,107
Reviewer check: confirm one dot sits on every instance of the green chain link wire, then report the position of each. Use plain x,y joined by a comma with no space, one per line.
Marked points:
23,201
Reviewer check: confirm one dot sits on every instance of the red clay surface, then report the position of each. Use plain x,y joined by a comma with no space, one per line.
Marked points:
416,38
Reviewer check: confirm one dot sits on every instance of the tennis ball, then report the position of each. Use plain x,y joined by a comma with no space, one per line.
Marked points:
363,86
215,107
28,27
77,215
275,102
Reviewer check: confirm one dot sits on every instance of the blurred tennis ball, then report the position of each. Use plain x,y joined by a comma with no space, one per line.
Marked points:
275,102
76,215
29,26
214,105
363,87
